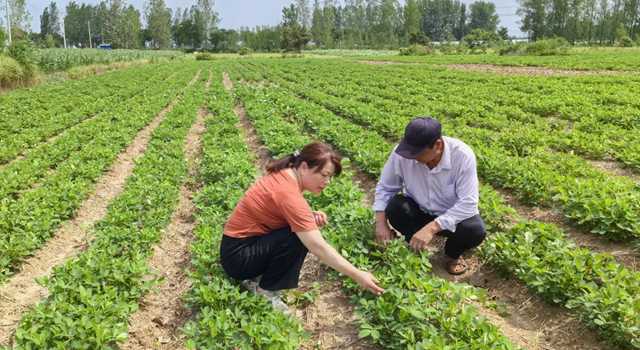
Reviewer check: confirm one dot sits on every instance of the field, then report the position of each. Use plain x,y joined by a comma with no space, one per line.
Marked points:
55,60
114,192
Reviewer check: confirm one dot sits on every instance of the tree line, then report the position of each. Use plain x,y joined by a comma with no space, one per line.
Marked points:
350,24
603,22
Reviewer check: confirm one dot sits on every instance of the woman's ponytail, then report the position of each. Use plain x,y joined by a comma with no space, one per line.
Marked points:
315,154
287,161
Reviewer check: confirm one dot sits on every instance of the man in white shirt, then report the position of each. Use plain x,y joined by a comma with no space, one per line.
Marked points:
440,182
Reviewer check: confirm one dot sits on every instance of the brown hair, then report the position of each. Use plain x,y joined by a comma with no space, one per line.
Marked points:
315,154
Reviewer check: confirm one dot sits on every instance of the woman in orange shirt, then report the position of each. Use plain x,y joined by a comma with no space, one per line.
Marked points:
272,228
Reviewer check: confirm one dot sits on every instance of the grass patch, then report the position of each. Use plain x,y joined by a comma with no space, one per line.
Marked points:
13,76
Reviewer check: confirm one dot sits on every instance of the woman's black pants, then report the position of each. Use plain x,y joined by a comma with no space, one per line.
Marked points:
277,256
405,216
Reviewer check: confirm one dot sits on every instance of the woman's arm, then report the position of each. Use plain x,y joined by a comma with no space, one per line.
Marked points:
319,247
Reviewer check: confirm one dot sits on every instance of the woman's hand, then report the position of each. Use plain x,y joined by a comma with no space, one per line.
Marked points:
320,217
368,282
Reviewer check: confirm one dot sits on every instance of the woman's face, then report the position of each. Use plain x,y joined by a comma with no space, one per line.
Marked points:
315,181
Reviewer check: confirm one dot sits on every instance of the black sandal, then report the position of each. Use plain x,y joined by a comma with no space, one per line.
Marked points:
453,262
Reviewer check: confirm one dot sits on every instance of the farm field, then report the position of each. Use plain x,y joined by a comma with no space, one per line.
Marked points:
115,191
605,59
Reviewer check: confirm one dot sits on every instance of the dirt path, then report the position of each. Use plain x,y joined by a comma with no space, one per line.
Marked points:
330,319
623,253
162,313
506,70
614,167
22,291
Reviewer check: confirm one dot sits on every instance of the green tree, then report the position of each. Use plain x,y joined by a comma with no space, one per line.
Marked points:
316,24
462,27
504,33
20,19
411,19
77,21
304,13
440,18
206,18
3,38
158,18
50,21
478,39
483,16
50,42
293,36
224,40
533,18
328,23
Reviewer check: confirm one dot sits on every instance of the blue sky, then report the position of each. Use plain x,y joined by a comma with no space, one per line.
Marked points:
237,13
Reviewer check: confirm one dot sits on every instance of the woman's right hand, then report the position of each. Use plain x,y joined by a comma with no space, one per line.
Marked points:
369,282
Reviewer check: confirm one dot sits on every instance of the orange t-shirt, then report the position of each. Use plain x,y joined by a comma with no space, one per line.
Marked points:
273,202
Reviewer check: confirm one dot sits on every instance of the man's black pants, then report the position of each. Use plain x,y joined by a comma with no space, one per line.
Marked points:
405,216
277,256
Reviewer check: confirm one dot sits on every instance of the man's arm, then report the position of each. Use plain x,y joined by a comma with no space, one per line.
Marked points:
467,192
389,185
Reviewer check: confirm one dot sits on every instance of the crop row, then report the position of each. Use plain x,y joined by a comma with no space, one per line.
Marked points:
569,98
93,296
28,222
600,292
20,175
620,59
519,108
522,109
418,310
597,307
228,316
20,129
591,199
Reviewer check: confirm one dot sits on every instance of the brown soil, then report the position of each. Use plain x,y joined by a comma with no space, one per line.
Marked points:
531,71
162,313
386,63
21,291
330,319
507,70
261,155
621,252
615,168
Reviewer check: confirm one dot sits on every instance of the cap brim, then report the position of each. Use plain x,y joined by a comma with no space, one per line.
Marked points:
406,150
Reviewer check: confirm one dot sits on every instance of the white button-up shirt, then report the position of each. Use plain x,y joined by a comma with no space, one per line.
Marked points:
449,191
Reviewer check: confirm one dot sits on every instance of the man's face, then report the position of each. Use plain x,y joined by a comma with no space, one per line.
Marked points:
430,153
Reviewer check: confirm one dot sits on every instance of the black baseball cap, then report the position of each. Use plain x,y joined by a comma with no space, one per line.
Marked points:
419,134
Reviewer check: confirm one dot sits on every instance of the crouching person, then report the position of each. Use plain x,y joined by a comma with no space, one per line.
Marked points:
272,228
440,182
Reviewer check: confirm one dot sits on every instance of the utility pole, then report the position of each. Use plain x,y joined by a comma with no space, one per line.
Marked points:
89,24
64,36
8,22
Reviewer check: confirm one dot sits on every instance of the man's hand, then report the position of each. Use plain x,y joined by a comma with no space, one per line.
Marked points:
383,233
320,217
422,238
